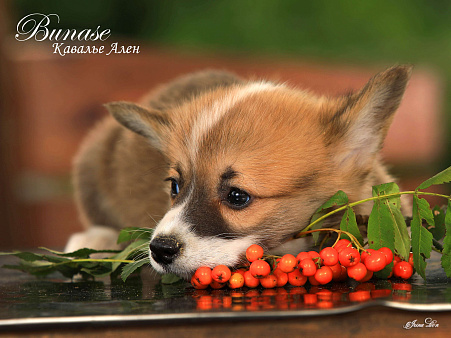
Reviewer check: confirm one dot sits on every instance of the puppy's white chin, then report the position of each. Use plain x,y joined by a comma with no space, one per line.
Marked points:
186,274
157,267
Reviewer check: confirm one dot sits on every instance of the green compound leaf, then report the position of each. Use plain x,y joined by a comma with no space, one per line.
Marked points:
421,237
349,224
446,253
337,200
133,233
77,262
132,267
135,250
442,177
43,265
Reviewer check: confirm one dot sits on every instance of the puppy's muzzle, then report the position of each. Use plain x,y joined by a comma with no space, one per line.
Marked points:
164,249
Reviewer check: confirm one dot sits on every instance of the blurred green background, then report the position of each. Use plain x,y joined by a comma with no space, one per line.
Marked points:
354,32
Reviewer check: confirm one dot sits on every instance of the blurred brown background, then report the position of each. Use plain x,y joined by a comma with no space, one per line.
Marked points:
49,102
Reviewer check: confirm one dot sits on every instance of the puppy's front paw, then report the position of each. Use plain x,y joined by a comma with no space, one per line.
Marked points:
96,237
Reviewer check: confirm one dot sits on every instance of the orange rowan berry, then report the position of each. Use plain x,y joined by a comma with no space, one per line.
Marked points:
221,273
254,252
250,281
203,275
269,281
260,269
287,263
296,278
236,281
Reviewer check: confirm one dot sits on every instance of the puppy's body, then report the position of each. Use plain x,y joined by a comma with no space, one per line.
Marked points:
246,162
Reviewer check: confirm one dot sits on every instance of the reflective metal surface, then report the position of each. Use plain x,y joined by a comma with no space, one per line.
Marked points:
25,300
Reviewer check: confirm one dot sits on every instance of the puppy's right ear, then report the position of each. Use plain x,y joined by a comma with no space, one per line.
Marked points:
148,123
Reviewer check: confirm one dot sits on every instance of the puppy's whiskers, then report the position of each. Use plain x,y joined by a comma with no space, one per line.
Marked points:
153,219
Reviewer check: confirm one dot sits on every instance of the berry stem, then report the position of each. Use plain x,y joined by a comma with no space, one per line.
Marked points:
351,236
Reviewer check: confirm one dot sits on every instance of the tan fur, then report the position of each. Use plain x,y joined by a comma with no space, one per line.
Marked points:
291,151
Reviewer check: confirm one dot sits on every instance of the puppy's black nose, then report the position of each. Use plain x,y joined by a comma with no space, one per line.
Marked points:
164,249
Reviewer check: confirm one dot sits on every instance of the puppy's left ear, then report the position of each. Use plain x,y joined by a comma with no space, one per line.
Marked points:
357,131
151,124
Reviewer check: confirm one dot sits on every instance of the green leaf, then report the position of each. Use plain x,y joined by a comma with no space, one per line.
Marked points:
30,256
425,210
133,233
33,257
442,177
97,269
421,237
391,207
349,224
133,250
381,223
170,278
128,269
439,229
338,199
385,189
386,225
446,253
402,238
33,269
81,253
41,268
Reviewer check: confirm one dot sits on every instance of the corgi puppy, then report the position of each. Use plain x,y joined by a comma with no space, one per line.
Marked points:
220,163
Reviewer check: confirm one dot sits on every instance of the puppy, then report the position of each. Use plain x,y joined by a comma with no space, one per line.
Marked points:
220,162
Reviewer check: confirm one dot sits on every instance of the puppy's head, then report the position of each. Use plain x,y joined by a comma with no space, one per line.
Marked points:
250,163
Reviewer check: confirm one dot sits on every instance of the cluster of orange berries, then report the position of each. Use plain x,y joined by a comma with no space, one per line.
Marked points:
335,263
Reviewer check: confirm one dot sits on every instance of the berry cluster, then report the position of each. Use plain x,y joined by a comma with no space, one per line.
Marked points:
335,263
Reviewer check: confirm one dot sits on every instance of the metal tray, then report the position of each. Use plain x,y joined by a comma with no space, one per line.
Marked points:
27,301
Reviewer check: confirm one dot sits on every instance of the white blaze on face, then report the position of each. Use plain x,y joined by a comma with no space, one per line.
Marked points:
197,250
209,117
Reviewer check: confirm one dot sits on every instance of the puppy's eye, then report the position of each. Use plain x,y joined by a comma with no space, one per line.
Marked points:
175,189
238,198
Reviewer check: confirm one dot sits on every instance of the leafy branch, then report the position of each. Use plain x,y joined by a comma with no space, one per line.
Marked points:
370,199
387,226
80,262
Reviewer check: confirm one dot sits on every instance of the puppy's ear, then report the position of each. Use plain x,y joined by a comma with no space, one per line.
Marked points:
148,123
359,128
